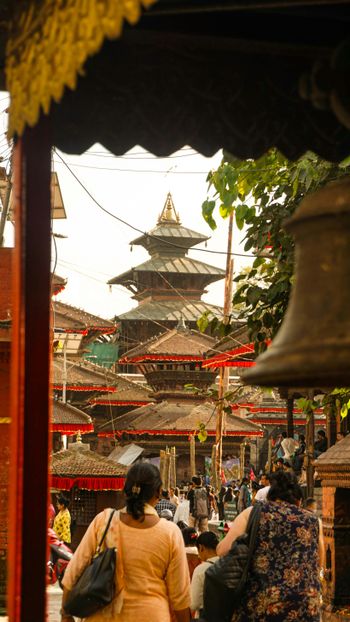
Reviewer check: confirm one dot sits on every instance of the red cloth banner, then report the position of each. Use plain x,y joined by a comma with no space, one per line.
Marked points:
84,387
72,428
88,483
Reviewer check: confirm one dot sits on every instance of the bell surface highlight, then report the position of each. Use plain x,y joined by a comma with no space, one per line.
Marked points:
312,347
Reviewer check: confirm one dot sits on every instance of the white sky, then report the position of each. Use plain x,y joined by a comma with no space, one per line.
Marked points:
97,246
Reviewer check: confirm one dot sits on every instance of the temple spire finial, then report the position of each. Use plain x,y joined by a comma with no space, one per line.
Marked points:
169,214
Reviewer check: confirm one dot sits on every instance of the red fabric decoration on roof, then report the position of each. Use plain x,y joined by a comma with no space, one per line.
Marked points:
159,357
84,387
72,428
117,403
88,483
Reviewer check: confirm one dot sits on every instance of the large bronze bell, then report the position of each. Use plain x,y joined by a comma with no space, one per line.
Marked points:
312,347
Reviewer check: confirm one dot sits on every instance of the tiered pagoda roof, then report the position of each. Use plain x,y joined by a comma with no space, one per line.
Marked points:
169,284
177,419
179,344
171,360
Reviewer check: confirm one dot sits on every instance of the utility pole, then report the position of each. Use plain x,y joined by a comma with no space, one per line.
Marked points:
224,375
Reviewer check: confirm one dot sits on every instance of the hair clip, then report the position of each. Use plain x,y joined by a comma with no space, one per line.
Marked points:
193,536
136,489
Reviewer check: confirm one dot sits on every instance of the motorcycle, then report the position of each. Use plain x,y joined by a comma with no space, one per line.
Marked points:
60,556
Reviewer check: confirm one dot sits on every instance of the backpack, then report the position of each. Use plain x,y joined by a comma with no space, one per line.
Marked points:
224,581
200,503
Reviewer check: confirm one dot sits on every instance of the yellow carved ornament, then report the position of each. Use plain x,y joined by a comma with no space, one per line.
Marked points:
50,45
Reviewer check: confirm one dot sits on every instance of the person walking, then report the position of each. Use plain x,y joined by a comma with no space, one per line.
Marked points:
62,520
152,577
262,493
244,499
199,505
221,496
283,583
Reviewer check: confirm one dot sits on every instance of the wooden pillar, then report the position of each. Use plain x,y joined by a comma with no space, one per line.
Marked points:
331,423
310,440
192,455
290,422
166,469
30,370
172,475
162,466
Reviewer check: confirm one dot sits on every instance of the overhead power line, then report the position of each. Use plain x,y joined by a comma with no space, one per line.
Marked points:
127,224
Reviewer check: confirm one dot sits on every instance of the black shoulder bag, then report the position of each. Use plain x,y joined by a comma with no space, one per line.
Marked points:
95,588
225,580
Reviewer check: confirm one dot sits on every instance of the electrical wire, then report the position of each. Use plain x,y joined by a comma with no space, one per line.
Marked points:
149,235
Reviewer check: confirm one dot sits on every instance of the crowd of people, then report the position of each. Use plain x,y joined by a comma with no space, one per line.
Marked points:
164,548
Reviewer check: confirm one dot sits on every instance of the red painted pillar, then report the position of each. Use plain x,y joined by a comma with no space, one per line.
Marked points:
30,369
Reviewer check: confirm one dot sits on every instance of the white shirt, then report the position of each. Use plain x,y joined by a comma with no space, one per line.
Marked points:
261,495
289,446
197,584
182,512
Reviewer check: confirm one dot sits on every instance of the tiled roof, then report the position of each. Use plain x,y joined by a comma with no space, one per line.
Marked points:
66,414
177,342
336,456
67,316
171,311
84,373
234,340
172,265
183,416
83,462
58,283
130,392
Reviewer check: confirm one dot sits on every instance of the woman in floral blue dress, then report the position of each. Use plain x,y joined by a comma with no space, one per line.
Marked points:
284,577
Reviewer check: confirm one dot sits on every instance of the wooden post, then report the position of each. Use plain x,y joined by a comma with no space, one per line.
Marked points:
172,467
310,434
214,482
331,423
192,455
166,469
241,460
290,422
224,376
30,372
162,466
269,455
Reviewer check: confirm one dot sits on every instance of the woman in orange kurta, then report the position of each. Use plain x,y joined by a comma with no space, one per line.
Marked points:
152,577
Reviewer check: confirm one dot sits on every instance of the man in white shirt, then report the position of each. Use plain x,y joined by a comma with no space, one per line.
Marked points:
207,542
261,495
288,445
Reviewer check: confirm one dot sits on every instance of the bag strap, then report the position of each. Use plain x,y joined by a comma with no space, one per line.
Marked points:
105,531
252,527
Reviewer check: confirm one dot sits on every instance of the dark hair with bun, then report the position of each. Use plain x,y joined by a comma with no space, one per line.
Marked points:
284,486
189,535
142,483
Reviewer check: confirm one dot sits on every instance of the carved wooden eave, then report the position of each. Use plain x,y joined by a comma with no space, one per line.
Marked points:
272,71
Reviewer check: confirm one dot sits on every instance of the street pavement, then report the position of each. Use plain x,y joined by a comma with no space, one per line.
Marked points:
54,593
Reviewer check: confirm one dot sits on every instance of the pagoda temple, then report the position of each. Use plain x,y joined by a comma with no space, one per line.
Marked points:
168,286
171,363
